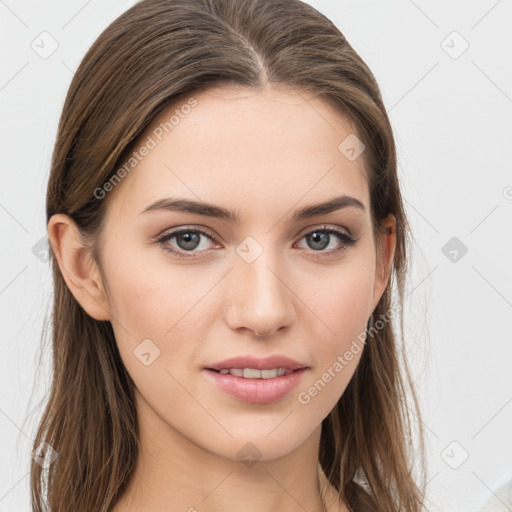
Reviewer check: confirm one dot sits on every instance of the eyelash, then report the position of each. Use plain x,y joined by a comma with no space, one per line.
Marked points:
342,236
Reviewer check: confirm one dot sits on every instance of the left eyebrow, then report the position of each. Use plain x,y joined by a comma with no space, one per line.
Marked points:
214,211
332,205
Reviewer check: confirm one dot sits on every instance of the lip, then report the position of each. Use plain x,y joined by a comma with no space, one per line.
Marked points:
266,363
256,391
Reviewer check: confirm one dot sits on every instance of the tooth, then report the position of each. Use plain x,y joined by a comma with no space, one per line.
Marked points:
251,373
254,373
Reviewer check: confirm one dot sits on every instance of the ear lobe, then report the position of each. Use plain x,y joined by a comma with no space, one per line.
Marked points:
78,268
385,255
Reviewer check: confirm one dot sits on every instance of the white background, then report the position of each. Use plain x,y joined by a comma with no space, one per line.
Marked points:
451,118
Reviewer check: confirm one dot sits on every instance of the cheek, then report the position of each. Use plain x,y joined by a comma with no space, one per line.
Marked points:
147,296
167,304
137,301
344,301
343,304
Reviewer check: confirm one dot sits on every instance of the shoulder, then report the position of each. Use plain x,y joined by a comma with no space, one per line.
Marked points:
501,501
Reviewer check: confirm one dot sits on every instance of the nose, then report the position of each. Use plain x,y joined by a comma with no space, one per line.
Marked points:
261,299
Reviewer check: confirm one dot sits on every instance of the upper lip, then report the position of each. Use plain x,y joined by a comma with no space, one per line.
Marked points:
265,363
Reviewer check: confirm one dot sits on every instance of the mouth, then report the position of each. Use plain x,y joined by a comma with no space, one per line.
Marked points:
254,373
256,386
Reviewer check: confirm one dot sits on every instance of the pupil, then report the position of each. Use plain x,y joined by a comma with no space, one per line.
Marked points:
191,240
317,237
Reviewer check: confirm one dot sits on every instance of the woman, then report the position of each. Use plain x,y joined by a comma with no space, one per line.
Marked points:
225,221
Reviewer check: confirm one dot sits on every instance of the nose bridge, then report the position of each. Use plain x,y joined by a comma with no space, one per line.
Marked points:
260,299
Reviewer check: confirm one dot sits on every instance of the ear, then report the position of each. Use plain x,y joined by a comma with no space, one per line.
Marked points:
385,254
77,265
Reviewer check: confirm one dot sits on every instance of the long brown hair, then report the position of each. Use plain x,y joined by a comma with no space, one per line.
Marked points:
152,56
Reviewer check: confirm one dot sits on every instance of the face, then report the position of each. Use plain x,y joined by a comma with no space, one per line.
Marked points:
187,290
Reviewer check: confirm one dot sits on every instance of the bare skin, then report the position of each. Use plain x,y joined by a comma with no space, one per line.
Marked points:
263,155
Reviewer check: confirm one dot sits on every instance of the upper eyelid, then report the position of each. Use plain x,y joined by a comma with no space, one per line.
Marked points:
185,229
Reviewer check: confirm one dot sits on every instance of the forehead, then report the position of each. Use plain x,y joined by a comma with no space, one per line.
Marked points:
252,151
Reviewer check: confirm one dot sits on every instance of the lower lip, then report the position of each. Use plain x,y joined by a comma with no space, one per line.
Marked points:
256,391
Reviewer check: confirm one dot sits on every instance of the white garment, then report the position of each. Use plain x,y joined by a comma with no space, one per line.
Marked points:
501,501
